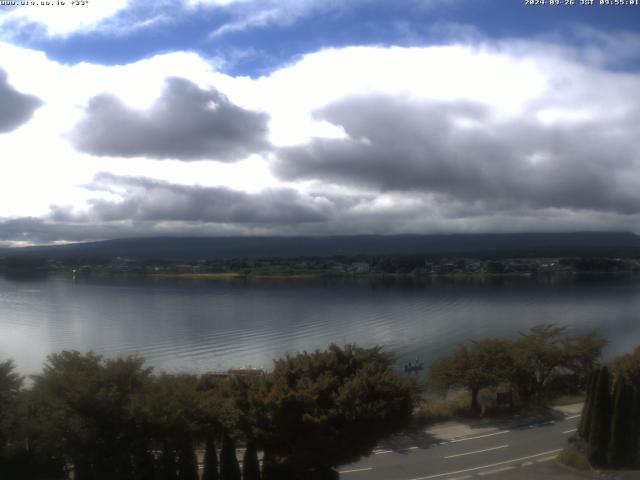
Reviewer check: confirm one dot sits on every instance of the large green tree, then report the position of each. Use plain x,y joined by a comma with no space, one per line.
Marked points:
323,409
168,411
10,385
484,363
537,355
85,403
544,354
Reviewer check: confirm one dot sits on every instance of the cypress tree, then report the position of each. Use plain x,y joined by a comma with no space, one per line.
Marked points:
250,464
620,447
187,462
143,464
587,409
168,464
82,470
268,466
210,471
229,468
635,437
600,420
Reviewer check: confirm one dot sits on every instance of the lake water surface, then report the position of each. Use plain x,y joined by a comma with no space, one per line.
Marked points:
199,326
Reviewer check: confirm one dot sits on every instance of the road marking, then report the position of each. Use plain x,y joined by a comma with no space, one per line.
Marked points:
569,431
501,432
356,470
546,459
526,464
413,448
571,418
381,452
477,451
497,470
466,477
487,466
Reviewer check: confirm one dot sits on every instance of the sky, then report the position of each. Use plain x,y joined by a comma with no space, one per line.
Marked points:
133,118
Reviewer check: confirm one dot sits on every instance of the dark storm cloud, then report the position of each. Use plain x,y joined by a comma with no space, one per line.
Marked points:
150,207
460,151
146,199
15,108
185,123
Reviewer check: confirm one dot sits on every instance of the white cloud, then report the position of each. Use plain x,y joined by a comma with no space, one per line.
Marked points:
518,82
60,17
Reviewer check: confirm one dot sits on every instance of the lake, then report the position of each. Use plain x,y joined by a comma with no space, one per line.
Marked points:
199,326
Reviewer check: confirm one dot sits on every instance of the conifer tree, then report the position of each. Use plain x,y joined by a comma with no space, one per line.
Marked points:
229,468
635,436
250,465
600,420
620,452
168,464
587,410
187,463
143,463
210,471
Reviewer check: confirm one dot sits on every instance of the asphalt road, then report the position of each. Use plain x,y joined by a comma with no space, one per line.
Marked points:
498,453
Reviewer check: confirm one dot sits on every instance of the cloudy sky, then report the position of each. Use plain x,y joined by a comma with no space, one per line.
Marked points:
127,118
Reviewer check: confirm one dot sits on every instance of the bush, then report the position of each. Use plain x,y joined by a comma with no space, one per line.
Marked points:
574,458
455,406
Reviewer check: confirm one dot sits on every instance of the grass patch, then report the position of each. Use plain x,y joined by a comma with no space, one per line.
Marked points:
434,411
574,458
567,400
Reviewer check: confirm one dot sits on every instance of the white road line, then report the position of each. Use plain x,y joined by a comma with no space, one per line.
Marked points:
477,451
501,432
571,418
569,431
381,452
356,470
546,459
526,464
497,470
413,448
486,466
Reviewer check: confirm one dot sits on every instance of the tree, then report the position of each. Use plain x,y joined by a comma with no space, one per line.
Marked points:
485,363
323,409
587,410
600,420
229,468
187,462
621,446
537,355
629,366
250,464
239,407
582,355
167,411
635,436
210,471
168,468
85,403
10,385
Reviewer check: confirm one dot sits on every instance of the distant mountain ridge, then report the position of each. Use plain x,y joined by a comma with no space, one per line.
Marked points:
586,244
